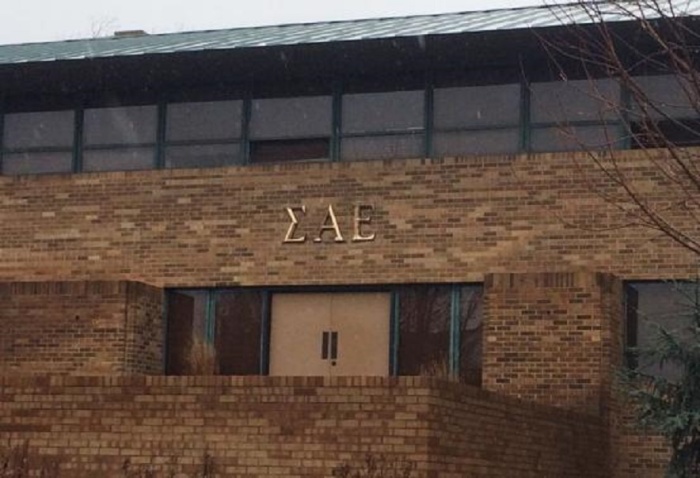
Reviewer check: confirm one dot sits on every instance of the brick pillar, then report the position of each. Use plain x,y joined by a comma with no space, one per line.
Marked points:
80,328
145,330
553,338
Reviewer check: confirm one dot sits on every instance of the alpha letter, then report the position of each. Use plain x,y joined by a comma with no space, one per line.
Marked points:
293,226
333,226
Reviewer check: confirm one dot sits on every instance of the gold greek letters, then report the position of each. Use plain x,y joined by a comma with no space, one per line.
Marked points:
361,220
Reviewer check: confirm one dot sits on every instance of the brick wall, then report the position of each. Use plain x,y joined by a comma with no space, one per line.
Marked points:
435,220
293,427
80,328
549,338
636,453
477,433
556,339
145,333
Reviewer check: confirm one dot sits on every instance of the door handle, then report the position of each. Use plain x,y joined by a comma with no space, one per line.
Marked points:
334,345
324,346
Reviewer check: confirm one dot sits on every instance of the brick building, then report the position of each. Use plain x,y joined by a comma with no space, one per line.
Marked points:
290,246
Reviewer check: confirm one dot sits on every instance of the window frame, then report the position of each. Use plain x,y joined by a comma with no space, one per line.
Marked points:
634,348
165,142
610,126
68,150
453,345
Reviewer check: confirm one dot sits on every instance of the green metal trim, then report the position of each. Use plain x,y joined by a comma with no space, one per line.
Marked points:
428,115
584,123
113,146
395,329
78,125
454,329
41,149
245,127
160,134
290,138
378,134
264,38
525,116
337,121
479,128
624,126
265,333
203,142
210,317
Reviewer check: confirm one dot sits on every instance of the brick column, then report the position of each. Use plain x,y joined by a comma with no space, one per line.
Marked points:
80,328
553,338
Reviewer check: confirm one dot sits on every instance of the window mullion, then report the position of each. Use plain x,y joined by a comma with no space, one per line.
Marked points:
454,330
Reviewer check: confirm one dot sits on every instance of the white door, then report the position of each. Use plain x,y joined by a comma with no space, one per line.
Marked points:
361,322
298,322
319,334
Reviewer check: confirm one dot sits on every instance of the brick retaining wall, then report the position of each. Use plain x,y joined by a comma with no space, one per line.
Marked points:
294,427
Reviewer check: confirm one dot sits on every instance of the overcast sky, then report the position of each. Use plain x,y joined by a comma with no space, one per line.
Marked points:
49,20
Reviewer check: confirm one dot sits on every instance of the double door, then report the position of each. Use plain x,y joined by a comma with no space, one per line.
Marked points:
330,334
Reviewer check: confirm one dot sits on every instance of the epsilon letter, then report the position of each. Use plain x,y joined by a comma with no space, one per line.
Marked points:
358,220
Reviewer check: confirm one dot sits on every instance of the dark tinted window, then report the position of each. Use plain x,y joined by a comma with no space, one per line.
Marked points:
202,155
477,106
118,159
661,134
204,121
492,141
572,101
424,330
37,162
272,151
394,111
655,305
282,118
187,333
664,96
238,328
120,126
383,147
38,142
575,138
39,130
430,343
471,329
214,332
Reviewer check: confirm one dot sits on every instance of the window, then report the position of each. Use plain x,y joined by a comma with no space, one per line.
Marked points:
120,138
424,330
471,334
238,331
665,96
651,305
383,125
213,332
665,112
38,142
415,330
662,133
440,331
203,134
575,115
290,129
476,120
